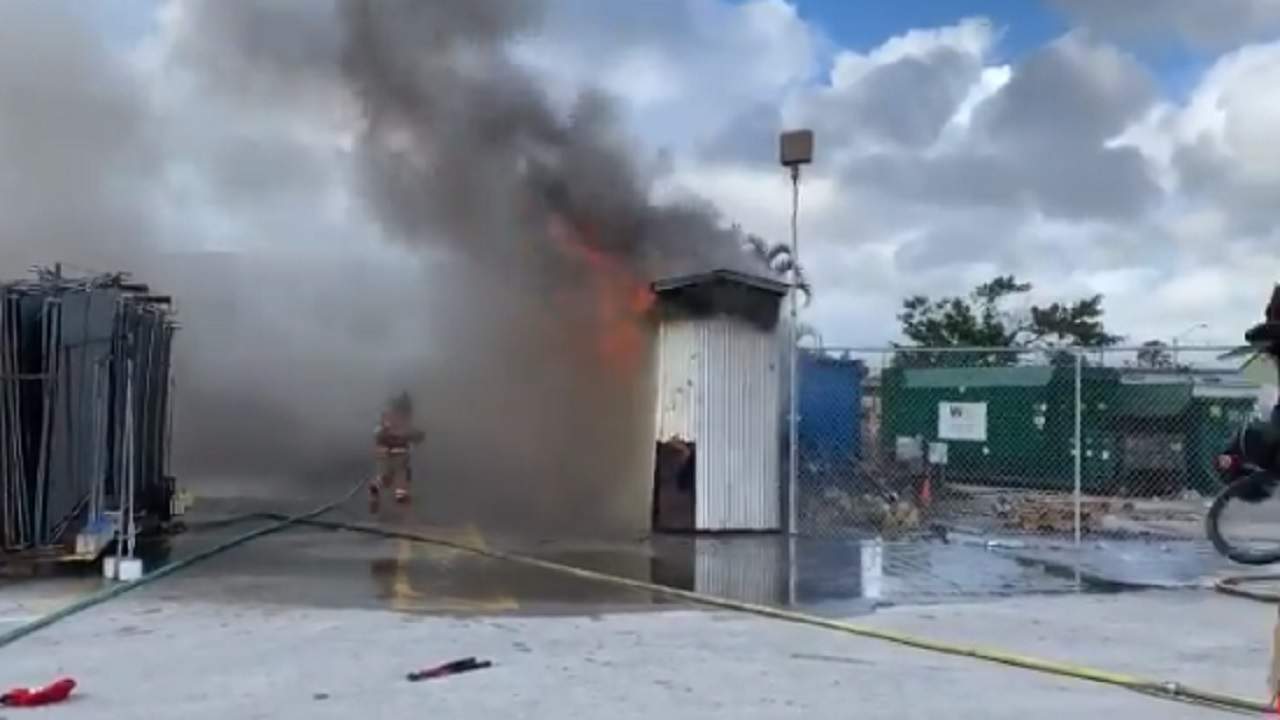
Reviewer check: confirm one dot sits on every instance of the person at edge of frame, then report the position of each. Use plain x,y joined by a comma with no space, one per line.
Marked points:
1267,334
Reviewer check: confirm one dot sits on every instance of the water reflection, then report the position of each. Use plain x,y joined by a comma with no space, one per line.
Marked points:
831,577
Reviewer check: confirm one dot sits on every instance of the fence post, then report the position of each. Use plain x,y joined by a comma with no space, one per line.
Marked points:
1079,444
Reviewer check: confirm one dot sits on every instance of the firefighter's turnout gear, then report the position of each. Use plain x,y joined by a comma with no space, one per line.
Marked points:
394,439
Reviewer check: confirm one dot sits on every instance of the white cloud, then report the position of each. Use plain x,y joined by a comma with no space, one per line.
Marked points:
1214,24
972,37
685,68
1237,107
1065,167
990,82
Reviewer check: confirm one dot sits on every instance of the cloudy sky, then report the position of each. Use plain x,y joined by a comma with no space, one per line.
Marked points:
1125,148
1087,145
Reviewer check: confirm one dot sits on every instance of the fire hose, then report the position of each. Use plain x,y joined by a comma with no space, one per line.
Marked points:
1166,690
114,591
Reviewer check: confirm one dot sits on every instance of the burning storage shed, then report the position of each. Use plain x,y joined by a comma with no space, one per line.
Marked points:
84,410
719,410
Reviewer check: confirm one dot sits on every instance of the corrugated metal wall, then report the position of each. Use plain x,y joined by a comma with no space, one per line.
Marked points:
720,387
750,569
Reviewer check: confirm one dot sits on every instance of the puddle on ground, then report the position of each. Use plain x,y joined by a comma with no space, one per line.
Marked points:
839,578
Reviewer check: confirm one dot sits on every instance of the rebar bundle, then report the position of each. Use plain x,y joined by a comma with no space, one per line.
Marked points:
85,388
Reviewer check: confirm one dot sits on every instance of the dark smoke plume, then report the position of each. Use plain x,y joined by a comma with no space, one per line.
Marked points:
409,209
461,148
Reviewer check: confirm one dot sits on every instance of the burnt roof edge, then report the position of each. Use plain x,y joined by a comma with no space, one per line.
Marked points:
757,282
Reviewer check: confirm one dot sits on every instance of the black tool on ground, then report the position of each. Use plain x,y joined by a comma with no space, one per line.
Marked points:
449,668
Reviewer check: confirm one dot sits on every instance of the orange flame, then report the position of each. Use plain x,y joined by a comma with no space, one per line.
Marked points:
621,299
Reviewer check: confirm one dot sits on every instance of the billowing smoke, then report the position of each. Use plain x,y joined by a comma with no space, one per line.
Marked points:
406,207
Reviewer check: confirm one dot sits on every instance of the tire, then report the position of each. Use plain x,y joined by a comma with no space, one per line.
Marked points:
1244,556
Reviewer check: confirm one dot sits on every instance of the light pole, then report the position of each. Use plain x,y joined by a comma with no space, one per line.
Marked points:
795,149
1184,333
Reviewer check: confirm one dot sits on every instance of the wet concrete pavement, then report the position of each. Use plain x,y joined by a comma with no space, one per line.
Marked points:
325,568
266,629
161,653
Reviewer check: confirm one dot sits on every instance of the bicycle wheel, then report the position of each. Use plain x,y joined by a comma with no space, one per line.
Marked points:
1243,522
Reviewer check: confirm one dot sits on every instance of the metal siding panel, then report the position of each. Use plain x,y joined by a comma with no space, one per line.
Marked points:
752,569
678,380
705,494
737,462
709,513
767,433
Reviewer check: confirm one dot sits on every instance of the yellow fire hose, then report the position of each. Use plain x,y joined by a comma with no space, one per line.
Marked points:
1166,690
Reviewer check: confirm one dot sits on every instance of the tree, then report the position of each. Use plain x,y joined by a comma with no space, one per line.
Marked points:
1155,355
983,320
779,259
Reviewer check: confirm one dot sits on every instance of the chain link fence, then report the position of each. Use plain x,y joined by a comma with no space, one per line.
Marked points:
1063,443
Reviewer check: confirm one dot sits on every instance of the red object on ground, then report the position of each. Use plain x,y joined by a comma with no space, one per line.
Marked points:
926,492
54,692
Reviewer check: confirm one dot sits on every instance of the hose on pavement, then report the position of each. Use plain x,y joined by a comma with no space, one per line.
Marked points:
279,522
1165,690
1239,586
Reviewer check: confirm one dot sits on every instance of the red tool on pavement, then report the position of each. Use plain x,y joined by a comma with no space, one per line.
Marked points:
449,668
54,692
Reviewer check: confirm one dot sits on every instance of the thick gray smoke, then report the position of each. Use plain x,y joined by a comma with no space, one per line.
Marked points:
408,209
74,143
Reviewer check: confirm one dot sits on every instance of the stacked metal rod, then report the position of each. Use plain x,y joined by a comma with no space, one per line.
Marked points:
84,406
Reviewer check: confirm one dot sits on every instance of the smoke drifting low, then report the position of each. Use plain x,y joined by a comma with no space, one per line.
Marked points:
408,208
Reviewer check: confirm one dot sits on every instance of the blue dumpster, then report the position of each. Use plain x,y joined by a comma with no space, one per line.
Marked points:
830,409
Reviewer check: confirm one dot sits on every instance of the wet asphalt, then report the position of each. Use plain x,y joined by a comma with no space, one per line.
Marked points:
308,566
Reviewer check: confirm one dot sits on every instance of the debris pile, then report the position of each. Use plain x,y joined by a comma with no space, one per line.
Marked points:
885,513
1042,513
84,407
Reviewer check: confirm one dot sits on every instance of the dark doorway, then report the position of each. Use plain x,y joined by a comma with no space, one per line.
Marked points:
674,486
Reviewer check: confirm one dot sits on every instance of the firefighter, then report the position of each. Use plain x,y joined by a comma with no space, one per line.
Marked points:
1266,336
393,439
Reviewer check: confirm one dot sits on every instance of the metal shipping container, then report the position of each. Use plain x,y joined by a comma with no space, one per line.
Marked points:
1023,416
1141,431
1172,425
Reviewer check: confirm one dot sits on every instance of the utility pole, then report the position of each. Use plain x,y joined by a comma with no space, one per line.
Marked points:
795,149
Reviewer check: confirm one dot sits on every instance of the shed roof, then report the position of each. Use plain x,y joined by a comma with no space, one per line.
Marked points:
723,276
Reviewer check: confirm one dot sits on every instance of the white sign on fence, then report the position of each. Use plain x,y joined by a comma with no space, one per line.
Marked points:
937,453
965,421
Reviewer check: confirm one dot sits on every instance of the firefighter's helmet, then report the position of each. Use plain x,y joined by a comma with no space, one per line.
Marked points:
402,403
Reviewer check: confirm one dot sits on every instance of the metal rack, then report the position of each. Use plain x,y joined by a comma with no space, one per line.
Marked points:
85,389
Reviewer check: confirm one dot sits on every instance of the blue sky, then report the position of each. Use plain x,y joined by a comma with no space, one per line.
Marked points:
1025,26
864,24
